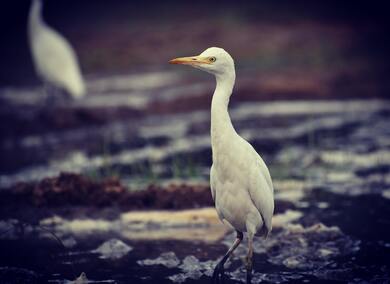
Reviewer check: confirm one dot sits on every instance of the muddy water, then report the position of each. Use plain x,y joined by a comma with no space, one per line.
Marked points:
118,129
313,244
329,161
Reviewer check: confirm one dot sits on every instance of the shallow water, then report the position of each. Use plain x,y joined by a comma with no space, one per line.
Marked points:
329,161
311,244
102,134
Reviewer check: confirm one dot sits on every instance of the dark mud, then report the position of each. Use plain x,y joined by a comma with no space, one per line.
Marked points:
332,245
72,195
329,162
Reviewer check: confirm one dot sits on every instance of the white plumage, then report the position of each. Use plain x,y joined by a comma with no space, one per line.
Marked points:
240,182
54,59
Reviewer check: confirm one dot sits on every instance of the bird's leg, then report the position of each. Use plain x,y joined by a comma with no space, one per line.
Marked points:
249,260
219,272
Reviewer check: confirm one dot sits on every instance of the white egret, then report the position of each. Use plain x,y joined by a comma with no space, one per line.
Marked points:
240,182
54,59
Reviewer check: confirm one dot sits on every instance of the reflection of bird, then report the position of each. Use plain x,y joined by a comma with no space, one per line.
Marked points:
54,59
241,185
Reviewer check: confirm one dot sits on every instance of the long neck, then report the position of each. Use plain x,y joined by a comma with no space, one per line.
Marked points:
222,129
35,21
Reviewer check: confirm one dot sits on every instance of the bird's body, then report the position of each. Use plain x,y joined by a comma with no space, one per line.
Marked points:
54,58
245,210
240,182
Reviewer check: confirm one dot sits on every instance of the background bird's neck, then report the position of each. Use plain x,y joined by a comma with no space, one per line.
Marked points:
35,16
222,129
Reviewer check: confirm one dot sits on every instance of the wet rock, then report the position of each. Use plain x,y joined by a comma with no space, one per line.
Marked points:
297,247
293,262
69,242
82,279
178,278
322,205
167,259
113,249
386,193
239,275
193,268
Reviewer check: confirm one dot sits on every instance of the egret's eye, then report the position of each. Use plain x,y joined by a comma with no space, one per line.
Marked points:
212,59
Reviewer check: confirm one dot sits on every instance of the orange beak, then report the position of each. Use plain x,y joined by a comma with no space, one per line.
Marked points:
192,60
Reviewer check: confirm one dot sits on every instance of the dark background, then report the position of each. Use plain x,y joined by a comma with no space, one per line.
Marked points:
110,36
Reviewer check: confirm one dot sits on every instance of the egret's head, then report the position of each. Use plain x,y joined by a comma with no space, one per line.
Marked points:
214,60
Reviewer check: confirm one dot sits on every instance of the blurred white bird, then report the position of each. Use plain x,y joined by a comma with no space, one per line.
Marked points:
54,59
241,184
